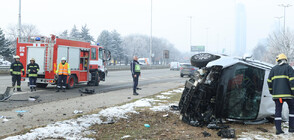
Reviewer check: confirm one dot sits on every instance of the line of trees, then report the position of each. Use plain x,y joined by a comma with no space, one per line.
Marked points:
122,48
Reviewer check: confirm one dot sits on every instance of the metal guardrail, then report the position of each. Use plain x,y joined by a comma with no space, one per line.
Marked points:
5,69
127,67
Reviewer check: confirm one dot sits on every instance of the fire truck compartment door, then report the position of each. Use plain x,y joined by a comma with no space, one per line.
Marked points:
31,53
62,52
73,58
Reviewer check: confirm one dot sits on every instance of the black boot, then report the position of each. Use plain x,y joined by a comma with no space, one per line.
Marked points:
63,89
279,132
19,90
57,90
35,89
32,89
135,93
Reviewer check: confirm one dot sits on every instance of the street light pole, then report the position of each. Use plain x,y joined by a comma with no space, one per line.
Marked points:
19,20
190,31
151,35
285,6
279,18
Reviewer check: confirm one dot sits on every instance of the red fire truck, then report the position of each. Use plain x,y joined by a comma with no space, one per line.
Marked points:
87,62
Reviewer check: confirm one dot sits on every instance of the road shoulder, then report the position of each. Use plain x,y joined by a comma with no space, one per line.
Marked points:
43,114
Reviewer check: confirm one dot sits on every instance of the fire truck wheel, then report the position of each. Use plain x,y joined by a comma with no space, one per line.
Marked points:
40,85
71,81
97,79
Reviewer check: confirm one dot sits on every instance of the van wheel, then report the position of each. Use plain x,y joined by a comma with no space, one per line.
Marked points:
71,81
201,59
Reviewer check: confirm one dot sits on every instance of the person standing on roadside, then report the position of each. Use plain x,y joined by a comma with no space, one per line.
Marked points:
136,72
16,68
281,86
32,70
63,70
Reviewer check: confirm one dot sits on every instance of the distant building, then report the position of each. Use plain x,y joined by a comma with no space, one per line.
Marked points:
241,27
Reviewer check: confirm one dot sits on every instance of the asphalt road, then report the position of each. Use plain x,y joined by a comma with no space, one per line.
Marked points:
115,80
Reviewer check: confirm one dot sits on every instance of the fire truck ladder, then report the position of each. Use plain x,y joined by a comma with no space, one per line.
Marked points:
48,56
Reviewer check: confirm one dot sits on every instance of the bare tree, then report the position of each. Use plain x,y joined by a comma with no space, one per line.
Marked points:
27,31
279,42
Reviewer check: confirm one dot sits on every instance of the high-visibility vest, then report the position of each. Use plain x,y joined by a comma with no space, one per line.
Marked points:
137,68
63,69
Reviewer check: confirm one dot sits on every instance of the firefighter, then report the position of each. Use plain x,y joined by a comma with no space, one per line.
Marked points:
32,69
63,70
16,68
135,69
281,86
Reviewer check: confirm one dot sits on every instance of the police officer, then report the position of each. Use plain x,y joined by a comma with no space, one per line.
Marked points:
135,69
16,68
32,69
281,86
63,70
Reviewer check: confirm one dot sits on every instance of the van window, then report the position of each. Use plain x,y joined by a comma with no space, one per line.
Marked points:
242,91
93,53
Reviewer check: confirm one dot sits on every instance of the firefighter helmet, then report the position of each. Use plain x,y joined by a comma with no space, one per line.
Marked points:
16,57
281,57
32,59
63,58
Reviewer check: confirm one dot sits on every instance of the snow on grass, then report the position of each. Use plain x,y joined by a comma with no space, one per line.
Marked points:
162,97
76,128
253,135
159,108
73,129
166,93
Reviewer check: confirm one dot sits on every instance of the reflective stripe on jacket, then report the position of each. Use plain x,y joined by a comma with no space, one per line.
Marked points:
281,81
16,68
63,69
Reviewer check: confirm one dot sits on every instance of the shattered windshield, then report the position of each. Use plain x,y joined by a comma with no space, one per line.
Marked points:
242,91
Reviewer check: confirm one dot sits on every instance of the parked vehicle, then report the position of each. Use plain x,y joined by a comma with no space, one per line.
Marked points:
87,62
227,88
174,66
144,61
187,69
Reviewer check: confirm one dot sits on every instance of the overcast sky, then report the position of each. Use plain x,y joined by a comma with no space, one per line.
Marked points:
213,21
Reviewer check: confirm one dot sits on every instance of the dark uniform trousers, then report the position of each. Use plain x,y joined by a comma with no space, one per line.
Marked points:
135,81
32,82
278,114
61,81
16,79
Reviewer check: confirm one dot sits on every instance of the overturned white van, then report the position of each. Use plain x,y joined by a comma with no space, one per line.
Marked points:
226,88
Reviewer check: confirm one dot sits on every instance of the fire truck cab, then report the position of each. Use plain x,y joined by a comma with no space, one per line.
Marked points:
87,62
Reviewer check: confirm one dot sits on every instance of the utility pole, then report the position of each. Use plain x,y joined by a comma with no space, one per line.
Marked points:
285,6
19,20
151,35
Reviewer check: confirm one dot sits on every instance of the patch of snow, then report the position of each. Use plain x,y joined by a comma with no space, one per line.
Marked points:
160,108
167,93
126,136
162,97
180,90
